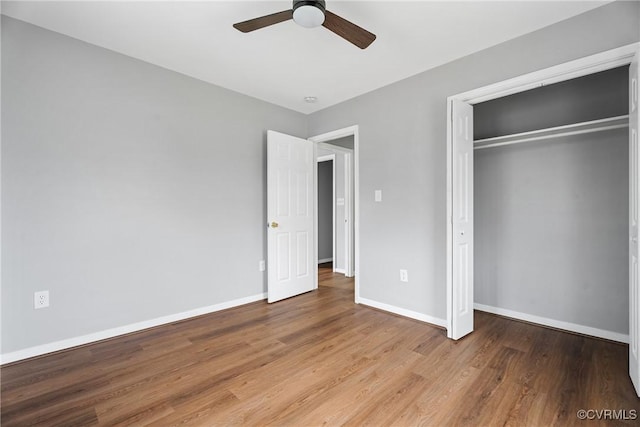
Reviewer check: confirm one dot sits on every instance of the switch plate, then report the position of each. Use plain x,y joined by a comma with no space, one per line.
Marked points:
404,276
261,265
378,195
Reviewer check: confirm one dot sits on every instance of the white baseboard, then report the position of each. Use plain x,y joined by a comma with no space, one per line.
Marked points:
403,312
121,330
339,270
558,324
322,261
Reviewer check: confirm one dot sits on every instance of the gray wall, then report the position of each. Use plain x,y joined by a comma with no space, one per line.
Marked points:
129,192
325,210
403,150
591,97
344,142
551,227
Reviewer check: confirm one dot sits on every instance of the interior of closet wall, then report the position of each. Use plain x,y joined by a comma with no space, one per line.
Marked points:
551,215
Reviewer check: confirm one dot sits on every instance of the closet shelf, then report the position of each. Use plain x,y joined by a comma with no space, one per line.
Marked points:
600,125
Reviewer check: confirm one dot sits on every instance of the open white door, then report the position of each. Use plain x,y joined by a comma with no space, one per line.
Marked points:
290,204
462,220
634,248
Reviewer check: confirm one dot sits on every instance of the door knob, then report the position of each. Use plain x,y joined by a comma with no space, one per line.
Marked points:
274,224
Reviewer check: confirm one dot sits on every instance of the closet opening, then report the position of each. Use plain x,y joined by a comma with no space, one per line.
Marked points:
551,205
460,210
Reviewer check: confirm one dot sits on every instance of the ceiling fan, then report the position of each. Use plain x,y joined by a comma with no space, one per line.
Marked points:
310,14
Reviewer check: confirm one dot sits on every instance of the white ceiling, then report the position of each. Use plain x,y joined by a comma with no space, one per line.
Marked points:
284,63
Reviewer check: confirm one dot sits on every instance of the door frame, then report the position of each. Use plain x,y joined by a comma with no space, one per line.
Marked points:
570,70
321,159
347,154
354,201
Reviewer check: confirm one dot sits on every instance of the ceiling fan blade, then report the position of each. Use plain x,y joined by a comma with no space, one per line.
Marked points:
348,30
264,21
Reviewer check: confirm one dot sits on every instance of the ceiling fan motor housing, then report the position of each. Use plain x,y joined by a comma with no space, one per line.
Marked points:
309,13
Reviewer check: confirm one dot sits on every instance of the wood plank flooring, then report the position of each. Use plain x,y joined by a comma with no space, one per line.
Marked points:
319,359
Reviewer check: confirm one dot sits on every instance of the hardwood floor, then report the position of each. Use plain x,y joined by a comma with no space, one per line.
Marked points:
320,359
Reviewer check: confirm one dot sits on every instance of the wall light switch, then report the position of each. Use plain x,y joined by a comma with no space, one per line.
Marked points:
378,195
404,276
261,265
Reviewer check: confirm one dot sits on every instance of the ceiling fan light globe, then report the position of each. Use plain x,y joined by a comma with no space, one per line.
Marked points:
308,16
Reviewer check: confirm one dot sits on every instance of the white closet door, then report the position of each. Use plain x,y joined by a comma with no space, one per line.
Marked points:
462,220
634,244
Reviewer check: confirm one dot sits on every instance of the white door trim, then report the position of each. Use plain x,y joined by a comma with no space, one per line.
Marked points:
558,73
348,225
566,71
355,200
320,159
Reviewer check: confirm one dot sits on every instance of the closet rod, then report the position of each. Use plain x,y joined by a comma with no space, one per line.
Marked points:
599,125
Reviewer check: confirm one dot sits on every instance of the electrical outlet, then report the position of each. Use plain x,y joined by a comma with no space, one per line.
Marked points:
261,265
404,276
40,299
